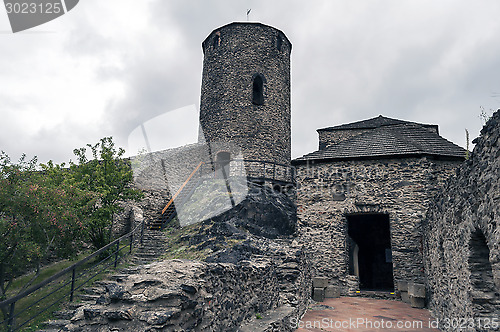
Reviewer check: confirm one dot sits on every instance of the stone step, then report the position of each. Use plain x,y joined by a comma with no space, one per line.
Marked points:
142,261
72,306
381,295
156,237
88,297
156,253
102,283
93,290
56,323
130,270
268,320
155,249
151,249
64,314
153,232
154,241
118,277
148,257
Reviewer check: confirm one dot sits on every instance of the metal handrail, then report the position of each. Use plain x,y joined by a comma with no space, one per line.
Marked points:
12,301
288,170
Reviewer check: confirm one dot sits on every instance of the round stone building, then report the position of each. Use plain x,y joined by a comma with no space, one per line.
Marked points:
245,93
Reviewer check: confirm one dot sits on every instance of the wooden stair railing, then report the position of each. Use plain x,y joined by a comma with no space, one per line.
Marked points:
255,170
169,211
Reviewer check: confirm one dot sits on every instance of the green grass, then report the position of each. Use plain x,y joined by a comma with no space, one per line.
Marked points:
45,273
43,293
180,248
25,302
178,244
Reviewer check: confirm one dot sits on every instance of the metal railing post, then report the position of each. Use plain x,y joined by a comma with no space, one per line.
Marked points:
142,231
73,277
131,242
10,324
13,321
117,251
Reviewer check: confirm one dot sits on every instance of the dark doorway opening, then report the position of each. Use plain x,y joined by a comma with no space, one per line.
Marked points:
222,162
483,293
223,158
370,255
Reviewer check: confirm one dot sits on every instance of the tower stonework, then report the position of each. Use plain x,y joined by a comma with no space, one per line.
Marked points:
245,92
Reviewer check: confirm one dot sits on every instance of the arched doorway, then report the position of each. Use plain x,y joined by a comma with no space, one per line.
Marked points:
484,294
222,162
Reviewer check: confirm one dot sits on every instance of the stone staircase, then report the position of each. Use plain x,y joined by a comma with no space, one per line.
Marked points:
153,246
85,299
169,212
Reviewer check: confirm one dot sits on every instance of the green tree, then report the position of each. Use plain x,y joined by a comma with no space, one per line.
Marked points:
109,176
49,210
41,216
17,251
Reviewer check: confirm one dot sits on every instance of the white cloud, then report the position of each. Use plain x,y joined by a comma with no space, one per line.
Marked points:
108,66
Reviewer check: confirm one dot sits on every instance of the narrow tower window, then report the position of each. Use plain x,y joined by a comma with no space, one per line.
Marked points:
279,42
217,39
258,90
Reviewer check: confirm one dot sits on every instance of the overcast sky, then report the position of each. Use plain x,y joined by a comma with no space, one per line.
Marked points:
109,65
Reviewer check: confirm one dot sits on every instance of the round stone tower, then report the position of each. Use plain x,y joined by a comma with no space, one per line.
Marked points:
245,91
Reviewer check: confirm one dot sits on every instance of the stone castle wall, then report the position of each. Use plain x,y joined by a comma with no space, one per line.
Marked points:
183,295
401,188
462,239
159,175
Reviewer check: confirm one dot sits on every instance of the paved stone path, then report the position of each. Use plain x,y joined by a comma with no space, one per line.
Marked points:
365,314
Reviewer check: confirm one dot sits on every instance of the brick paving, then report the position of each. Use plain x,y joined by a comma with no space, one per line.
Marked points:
365,314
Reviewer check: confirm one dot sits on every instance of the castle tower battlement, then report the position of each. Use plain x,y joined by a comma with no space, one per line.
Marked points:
245,92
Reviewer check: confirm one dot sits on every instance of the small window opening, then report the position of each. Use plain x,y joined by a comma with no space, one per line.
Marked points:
258,90
279,43
217,39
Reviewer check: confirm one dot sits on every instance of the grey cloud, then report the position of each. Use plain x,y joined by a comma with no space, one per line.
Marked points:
350,61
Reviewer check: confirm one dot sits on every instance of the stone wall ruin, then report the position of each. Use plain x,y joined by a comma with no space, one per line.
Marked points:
330,192
462,239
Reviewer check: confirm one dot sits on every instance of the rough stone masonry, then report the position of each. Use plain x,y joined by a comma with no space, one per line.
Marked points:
462,235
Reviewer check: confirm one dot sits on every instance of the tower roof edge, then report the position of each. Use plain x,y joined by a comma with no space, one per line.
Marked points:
245,23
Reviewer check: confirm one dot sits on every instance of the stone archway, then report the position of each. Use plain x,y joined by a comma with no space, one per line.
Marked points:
484,293
222,161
